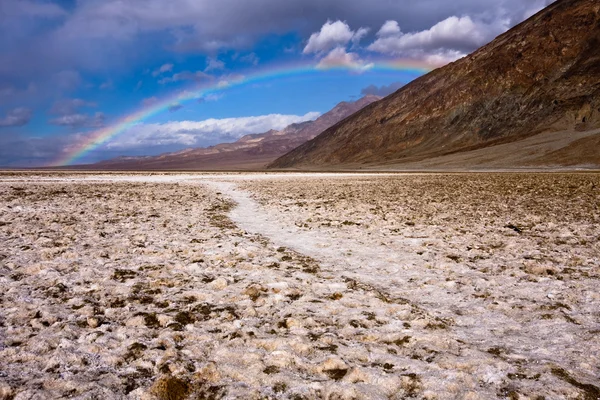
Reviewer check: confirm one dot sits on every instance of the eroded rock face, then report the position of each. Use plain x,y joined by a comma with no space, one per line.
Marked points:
542,75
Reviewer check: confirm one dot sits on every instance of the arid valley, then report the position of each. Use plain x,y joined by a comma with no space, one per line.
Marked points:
300,286
300,199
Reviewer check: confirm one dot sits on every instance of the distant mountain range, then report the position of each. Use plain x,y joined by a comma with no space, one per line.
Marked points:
530,98
249,152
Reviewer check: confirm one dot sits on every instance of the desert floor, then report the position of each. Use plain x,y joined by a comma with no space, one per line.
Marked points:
300,286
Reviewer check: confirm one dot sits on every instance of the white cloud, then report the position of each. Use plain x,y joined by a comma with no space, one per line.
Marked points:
68,113
186,76
213,64
124,31
80,120
235,23
194,133
330,43
70,106
16,117
162,69
226,80
360,33
389,28
338,57
440,57
211,97
453,35
251,58
332,35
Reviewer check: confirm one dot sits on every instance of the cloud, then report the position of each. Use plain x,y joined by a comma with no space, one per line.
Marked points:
194,42
389,28
16,117
330,43
162,69
211,97
175,107
338,57
149,101
332,35
226,80
29,9
11,94
99,36
70,106
80,120
439,57
234,23
251,58
68,113
6,90
186,76
535,7
108,85
381,90
449,39
197,133
21,151
56,46
36,151
213,64
359,34
67,80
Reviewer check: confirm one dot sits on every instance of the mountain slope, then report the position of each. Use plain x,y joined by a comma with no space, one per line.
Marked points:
249,152
543,75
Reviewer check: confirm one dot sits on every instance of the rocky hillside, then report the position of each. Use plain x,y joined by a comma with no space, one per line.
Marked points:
541,76
249,152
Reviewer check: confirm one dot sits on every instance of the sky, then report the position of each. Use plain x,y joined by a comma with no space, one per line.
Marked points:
87,80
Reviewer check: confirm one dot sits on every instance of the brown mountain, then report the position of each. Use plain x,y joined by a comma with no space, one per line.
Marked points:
249,152
541,77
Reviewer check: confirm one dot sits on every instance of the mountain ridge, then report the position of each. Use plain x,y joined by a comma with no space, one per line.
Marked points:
543,75
252,151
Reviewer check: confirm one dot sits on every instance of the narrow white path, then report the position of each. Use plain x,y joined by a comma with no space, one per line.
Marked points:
395,271
479,311
342,253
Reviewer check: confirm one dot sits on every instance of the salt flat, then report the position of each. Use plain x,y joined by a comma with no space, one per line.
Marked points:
301,286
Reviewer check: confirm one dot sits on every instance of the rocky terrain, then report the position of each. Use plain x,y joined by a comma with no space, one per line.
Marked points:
541,76
297,286
251,152
550,151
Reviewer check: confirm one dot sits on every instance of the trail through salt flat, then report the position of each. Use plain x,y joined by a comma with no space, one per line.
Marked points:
342,253
397,271
358,285
393,268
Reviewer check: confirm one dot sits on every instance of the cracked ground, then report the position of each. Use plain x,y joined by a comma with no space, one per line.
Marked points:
300,286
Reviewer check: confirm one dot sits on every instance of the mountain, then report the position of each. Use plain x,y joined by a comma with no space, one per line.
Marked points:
540,77
249,152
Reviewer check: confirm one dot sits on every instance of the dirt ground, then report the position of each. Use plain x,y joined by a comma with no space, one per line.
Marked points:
300,286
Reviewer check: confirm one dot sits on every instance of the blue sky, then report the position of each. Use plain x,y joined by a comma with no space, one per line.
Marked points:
72,67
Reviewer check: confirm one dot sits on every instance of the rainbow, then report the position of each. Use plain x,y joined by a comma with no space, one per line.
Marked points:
101,136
